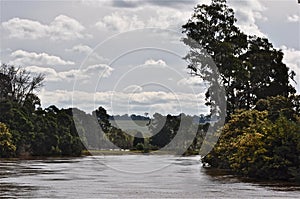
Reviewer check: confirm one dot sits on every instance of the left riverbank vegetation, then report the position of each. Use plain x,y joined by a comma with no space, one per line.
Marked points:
26,129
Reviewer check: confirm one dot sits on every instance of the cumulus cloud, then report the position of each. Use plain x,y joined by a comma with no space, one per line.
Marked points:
50,73
168,18
70,75
133,89
159,18
247,13
138,3
190,81
61,28
157,63
93,56
293,18
121,102
80,48
120,23
23,58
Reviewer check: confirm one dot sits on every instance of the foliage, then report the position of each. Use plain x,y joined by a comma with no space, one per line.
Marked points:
7,148
139,146
138,139
119,138
33,130
18,85
163,129
178,133
289,107
252,145
249,66
103,118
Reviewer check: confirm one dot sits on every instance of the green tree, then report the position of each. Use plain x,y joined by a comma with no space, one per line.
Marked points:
253,145
164,129
18,84
249,66
280,105
7,148
138,139
103,118
119,138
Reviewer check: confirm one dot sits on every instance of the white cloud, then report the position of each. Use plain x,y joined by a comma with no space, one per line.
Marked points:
121,102
120,22
133,89
50,74
157,63
61,28
102,69
80,49
247,13
93,56
168,18
190,81
293,18
159,18
141,3
23,58
70,75
24,28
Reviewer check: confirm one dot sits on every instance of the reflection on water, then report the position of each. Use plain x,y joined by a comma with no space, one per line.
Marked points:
115,177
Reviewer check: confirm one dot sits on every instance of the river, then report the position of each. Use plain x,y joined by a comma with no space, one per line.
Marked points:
128,176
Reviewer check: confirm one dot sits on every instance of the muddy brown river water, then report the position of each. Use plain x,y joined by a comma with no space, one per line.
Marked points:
129,176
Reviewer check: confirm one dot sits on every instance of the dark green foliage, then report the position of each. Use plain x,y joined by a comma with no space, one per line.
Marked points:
139,147
164,129
103,118
34,130
249,66
262,134
138,139
288,107
119,138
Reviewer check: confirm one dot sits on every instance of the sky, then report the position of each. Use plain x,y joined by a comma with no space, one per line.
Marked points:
127,55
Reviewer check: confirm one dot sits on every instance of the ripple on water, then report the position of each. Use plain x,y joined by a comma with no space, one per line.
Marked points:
88,177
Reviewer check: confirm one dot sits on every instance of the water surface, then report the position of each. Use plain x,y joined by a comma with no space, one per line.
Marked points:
128,176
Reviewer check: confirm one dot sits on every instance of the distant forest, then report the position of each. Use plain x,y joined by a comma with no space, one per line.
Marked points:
28,129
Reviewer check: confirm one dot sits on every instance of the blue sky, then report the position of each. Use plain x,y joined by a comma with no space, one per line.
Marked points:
91,59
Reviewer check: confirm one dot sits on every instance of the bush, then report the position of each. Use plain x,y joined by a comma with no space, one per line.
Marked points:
139,147
252,145
7,148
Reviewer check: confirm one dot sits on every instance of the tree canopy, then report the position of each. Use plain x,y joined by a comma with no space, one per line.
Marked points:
249,66
261,136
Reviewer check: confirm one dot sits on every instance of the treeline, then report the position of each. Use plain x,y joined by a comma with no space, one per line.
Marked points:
28,129
188,134
261,137
43,132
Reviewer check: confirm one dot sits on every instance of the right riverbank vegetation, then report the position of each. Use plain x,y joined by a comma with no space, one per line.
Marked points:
261,135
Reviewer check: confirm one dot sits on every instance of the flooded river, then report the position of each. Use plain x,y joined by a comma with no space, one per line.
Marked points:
128,176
